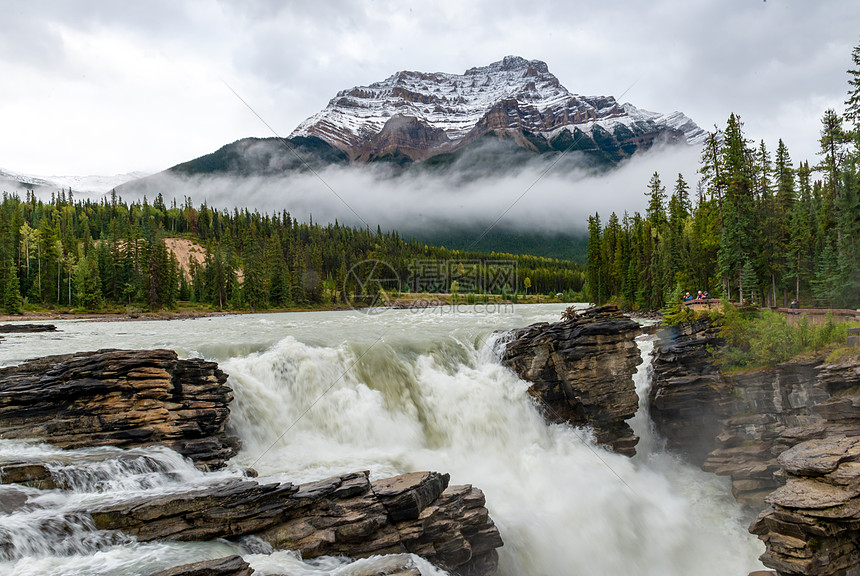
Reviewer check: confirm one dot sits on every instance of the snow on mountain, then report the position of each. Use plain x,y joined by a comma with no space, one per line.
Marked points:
513,93
92,184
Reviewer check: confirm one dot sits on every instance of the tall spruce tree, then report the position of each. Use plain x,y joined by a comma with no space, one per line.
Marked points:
738,226
12,301
852,104
594,262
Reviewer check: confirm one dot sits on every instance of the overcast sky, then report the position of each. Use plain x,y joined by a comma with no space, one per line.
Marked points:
105,87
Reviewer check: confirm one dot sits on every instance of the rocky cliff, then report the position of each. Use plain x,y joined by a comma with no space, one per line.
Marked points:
788,437
581,371
120,398
812,524
734,424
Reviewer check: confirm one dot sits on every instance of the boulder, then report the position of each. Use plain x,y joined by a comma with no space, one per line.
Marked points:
581,370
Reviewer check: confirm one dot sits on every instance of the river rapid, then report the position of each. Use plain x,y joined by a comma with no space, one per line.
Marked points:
323,393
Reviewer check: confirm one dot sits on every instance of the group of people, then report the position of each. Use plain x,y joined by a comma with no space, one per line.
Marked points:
700,296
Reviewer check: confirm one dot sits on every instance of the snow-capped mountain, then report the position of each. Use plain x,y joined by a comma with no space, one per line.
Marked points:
420,115
92,184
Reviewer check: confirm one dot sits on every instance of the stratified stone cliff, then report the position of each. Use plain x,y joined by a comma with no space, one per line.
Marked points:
120,398
582,372
734,424
812,526
789,438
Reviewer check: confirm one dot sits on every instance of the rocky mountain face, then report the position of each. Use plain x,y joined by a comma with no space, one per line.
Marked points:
788,437
417,115
581,371
432,119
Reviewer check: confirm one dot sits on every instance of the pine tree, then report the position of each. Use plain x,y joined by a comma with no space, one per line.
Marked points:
832,143
800,245
852,104
594,262
656,213
738,228
711,168
12,301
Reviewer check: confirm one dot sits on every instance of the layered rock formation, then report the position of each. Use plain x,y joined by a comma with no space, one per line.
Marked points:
342,516
582,370
142,398
789,438
120,398
227,566
812,526
736,424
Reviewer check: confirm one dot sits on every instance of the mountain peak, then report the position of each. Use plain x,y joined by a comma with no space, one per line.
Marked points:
512,63
513,95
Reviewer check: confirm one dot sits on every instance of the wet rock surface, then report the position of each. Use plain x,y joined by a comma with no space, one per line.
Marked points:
789,438
120,398
341,516
227,566
581,371
26,328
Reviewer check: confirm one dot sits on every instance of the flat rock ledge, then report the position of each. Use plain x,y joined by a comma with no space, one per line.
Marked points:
236,566
227,566
120,398
581,371
341,516
812,526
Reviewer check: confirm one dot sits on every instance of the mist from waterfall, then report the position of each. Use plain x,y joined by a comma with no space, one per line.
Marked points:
319,394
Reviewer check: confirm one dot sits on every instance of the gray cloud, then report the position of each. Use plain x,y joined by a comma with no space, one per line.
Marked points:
558,200
145,76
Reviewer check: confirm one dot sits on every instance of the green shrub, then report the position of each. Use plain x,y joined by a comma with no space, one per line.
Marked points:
763,338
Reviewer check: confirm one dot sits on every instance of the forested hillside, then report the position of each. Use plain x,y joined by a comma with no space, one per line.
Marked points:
762,229
90,255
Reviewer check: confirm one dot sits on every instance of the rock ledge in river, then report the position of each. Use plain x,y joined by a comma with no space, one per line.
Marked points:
582,371
120,398
341,516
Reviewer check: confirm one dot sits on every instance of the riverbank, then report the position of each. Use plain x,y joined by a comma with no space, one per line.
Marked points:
186,310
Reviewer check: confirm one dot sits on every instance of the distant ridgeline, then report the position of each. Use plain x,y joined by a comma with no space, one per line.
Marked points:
94,254
761,231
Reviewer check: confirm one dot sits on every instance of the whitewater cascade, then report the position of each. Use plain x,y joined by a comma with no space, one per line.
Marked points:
318,394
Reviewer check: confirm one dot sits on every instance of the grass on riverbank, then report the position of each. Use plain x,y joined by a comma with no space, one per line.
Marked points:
762,338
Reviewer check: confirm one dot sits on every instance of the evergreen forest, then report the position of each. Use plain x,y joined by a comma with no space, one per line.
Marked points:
758,228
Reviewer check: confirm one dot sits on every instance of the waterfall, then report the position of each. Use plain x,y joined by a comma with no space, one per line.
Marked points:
322,394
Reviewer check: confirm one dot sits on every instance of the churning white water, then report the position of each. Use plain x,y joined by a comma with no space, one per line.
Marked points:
319,394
